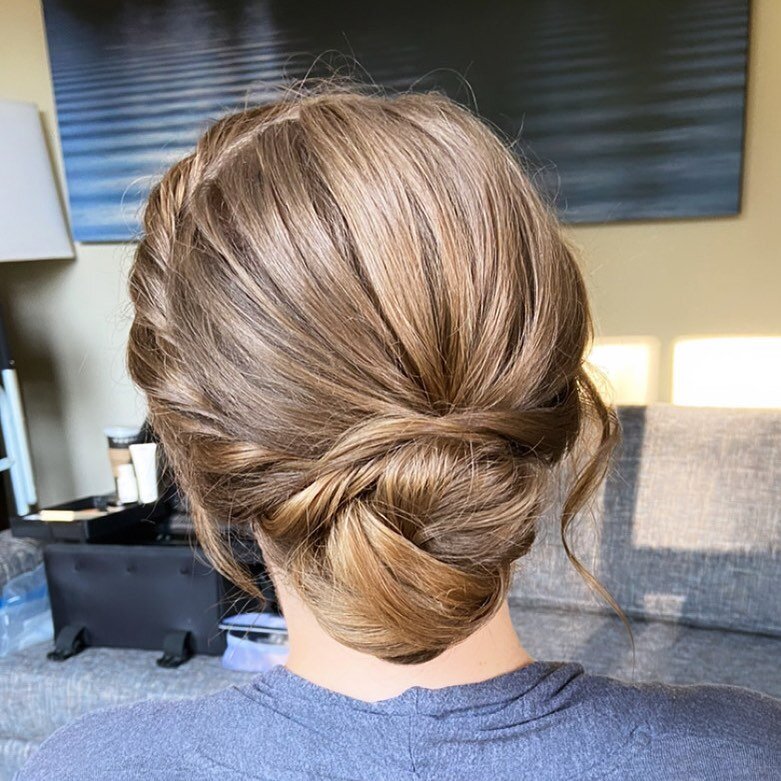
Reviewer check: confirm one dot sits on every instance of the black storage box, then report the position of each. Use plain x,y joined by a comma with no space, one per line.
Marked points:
140,596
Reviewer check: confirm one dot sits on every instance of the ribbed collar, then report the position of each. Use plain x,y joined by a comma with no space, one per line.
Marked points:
537,682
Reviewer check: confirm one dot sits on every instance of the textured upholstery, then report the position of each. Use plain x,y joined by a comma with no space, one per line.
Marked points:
687,527
13,754
38,695
664,651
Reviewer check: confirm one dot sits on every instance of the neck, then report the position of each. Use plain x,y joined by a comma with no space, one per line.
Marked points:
492,650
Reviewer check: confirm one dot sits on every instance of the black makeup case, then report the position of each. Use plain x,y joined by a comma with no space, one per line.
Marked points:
161,595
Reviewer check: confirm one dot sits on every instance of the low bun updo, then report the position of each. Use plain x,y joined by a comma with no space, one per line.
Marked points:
362,338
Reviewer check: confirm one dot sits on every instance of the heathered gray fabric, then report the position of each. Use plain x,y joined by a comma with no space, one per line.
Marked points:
663,651
13,755
543,722
38,695
686,528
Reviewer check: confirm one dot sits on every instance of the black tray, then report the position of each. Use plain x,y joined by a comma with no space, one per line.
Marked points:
133,523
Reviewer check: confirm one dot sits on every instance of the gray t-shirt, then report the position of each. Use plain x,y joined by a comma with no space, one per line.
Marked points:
546,721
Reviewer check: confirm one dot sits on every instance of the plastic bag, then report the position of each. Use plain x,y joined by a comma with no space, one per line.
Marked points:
25,613
256,642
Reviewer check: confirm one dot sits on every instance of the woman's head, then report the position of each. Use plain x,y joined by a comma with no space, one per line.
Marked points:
362,336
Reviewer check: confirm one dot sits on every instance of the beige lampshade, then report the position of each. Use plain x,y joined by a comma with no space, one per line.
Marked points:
32,224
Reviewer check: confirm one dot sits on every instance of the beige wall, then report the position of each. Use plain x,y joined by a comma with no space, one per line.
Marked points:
69,319
708,276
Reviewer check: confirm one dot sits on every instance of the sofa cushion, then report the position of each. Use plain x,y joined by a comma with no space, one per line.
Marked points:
687,526
38,695
13,754
664,651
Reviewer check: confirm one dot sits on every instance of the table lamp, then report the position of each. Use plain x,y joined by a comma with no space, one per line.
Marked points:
32,227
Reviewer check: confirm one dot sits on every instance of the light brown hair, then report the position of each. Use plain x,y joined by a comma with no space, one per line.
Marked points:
362,337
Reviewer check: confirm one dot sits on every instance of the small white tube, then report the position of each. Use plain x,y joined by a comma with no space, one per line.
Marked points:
127,486
144,457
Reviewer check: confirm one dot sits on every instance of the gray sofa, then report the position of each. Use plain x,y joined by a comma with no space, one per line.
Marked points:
686,534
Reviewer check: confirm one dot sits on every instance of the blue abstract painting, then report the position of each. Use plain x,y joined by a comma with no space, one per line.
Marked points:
622,110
